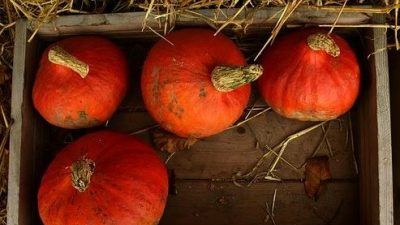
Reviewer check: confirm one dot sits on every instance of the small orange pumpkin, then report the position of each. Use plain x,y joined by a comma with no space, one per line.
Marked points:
196,86
104,178
80,82
310,76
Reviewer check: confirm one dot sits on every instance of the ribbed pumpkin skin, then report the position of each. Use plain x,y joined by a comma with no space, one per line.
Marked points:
177,87
129,185
309,85
66,100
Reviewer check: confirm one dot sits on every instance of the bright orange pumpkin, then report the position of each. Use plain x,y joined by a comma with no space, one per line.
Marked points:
104,178
196,86
80,82
309,75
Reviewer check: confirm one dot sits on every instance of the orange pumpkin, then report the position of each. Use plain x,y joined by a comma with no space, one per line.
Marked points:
196,86
80,82
310,76
104,178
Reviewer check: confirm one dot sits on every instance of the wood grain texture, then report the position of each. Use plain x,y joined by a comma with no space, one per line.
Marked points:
376,190
21,180
132,23
205,202
14,190
222,155
385,179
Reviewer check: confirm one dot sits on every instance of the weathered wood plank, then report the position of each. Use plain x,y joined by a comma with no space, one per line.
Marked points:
132,23
222,155
376,190
235,150
385,179
22,176
204,202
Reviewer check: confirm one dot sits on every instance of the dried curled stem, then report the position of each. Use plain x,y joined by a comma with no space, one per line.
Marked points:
320,41
81,172
59,56
228,78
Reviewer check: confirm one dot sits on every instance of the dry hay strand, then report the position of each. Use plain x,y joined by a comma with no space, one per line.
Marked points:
164,13
253,175
247,118
122,5
143,130
3,178
261,110
286,13
4,165
7,22
41,11
271,211
3,216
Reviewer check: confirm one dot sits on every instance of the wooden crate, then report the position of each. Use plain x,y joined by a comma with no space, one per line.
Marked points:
202,192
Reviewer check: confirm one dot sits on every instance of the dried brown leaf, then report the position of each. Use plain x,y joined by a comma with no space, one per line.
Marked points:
166,141
317,171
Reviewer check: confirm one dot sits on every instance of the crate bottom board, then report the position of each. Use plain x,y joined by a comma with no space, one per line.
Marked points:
237,150
214,203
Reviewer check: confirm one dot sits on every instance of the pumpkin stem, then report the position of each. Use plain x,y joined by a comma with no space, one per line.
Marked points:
59,56
81,172
228,78
320,41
